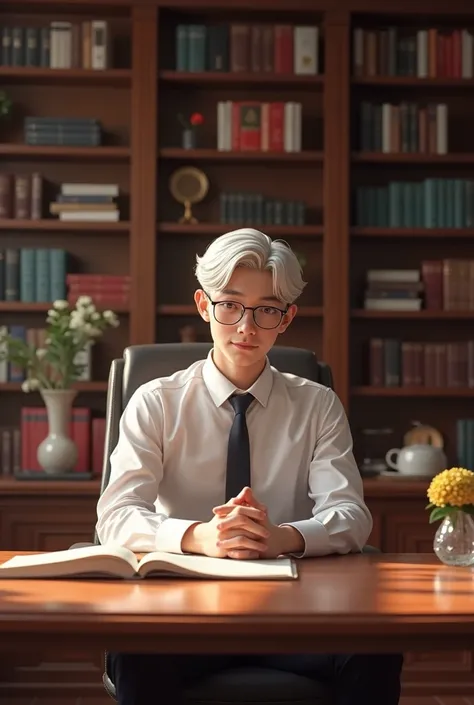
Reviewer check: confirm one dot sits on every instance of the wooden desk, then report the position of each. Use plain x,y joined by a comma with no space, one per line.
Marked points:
358,603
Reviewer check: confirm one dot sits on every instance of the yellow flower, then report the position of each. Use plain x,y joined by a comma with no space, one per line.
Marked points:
453,487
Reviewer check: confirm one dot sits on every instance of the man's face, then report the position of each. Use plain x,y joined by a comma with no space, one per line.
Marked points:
244,343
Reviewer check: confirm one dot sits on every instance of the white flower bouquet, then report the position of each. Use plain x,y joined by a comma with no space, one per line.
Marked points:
68,332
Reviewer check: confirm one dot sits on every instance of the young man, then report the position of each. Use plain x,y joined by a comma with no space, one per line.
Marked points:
231,458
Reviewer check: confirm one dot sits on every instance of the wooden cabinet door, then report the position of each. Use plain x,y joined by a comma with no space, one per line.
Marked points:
45,523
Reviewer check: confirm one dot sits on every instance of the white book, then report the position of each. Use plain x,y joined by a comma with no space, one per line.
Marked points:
98,216
386,128
114,561
66,46
111,190
292,127
392,304
467,54
55,44
99,45
393,275
306,50
441,128
297,126
422,53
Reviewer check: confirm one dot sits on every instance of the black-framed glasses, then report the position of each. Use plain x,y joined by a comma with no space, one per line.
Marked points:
228,313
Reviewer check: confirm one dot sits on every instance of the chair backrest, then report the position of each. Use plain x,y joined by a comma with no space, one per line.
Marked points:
142,363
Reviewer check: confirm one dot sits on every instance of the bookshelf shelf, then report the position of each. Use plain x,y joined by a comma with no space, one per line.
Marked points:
20,74
451,233
412,158
76,153
412,392
80,386
21,307
412,82
215,229
417,315
215,155
209,78
50,224
190,310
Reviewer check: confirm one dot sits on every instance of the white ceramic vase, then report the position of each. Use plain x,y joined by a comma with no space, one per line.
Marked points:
57,453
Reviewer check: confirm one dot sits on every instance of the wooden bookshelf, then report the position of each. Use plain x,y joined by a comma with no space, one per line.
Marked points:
215,155
244,78
30,74
138,100
216,229
61,226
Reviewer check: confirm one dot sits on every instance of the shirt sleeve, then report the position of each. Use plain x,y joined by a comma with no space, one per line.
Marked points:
341,521
126,512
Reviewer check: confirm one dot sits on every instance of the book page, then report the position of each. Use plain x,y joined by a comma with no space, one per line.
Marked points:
111,560
206,567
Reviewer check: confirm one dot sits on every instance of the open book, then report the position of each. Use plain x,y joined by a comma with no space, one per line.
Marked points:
113,561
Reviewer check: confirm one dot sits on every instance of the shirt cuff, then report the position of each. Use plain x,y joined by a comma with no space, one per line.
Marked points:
316,538
170,534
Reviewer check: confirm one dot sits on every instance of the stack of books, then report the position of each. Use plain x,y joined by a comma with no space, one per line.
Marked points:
91,202
73,132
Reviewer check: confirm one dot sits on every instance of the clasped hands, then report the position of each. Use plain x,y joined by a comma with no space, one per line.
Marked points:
241,529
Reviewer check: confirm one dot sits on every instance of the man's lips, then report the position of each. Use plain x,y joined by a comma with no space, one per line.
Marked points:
249,346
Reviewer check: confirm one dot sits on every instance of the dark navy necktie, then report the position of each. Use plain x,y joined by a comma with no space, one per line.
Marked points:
238,451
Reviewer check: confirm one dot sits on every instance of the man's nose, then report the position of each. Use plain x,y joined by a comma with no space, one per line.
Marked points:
247,322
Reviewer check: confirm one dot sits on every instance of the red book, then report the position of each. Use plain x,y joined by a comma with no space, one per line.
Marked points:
250,126
283,49
98,445
276,127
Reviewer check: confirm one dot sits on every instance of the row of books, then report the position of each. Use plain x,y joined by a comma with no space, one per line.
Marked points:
86,202
87,432
104,289
257,126
407,127
36,338
281,49
439,285
70,131
256,209
424,53
61,45
399,363
21,196
430,203
32,274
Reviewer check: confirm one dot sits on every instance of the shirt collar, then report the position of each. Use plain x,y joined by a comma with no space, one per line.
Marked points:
220,388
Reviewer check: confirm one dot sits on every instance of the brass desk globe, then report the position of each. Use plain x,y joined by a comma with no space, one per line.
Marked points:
188,186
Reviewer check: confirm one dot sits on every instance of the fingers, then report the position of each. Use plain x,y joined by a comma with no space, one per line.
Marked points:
243,555
244,523
246,495
227,511
240,543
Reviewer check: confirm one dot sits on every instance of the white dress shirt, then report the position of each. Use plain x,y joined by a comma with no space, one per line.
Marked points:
168,469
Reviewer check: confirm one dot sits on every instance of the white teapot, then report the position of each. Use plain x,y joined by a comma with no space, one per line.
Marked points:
418,459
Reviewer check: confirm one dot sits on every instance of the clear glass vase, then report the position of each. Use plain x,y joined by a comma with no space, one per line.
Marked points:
454,540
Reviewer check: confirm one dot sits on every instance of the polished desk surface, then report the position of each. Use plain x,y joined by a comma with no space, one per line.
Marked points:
364,602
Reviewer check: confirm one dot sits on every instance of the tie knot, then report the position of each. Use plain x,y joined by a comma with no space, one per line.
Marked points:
241,402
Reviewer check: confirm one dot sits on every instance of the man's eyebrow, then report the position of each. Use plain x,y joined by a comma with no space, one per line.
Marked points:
234,292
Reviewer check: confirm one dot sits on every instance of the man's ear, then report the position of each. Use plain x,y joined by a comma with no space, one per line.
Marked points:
202,304
287,318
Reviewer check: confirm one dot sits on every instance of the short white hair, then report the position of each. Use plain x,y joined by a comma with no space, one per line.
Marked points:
251,248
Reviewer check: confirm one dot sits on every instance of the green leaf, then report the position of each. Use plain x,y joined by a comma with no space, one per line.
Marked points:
438,513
